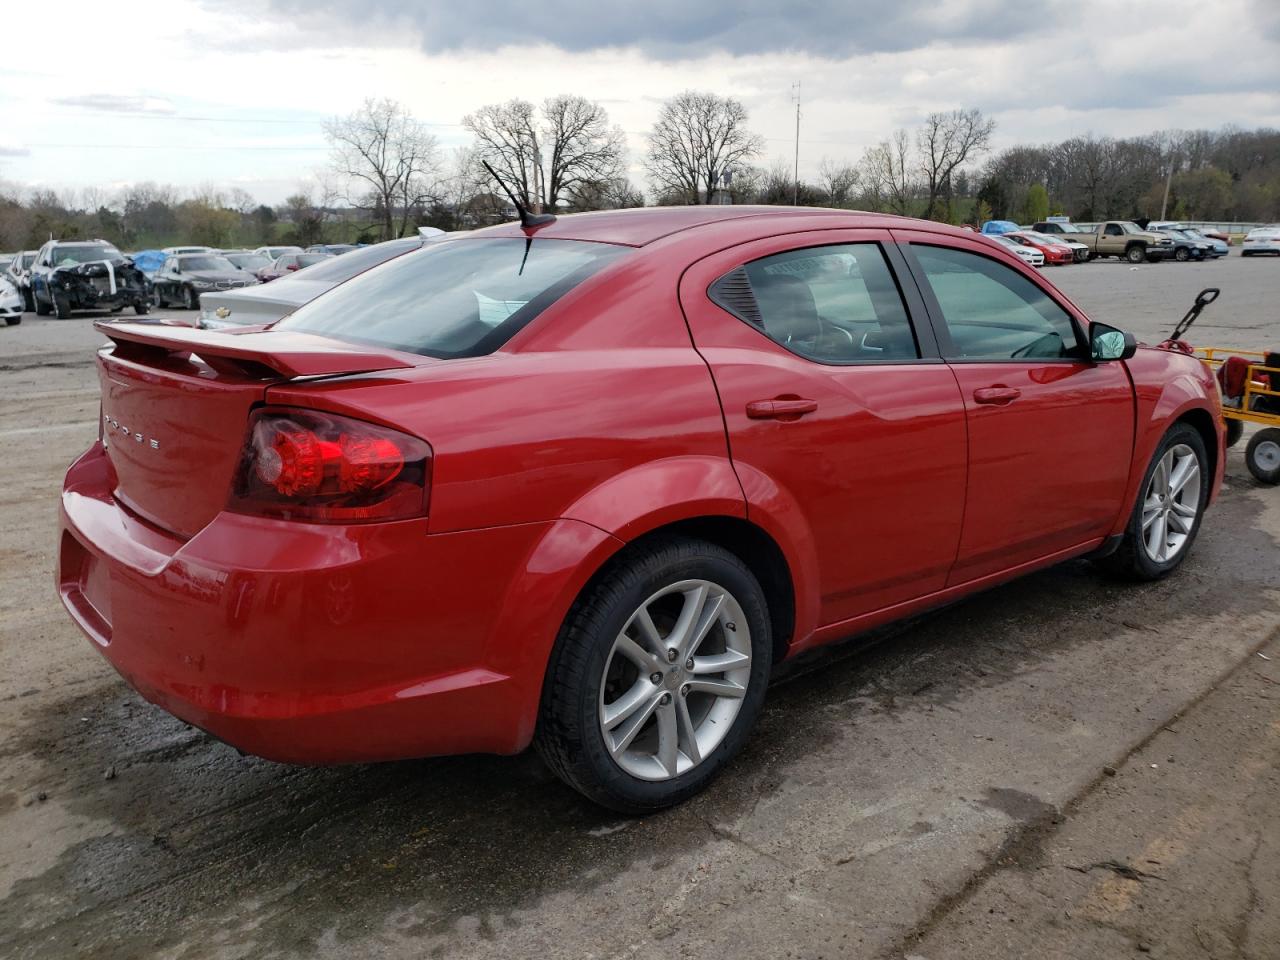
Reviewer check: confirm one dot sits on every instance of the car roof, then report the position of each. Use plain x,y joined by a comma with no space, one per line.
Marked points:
640,226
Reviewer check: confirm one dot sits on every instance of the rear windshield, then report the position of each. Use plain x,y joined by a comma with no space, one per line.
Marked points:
340,269
459,298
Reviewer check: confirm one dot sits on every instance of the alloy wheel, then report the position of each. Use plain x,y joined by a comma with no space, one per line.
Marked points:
1171,503
675,679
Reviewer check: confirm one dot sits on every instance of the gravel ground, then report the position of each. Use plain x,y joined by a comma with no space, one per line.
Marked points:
1062,767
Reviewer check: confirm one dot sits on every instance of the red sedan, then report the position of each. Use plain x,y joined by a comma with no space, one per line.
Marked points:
583,484
1055,253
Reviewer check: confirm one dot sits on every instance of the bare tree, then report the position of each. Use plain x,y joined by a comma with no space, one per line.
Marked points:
838,181
945,142
697,138
550,152
387,157
887,170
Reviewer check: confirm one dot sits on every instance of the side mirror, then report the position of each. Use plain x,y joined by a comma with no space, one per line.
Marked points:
1108,343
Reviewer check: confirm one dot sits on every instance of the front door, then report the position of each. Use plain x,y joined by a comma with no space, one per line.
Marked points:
835,405
1050,431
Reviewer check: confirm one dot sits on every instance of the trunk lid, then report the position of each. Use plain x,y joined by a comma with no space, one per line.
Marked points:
176,403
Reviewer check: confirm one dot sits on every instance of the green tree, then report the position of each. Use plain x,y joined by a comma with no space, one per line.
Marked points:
1037,205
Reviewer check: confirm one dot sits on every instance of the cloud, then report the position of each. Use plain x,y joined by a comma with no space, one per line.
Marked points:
679,29
115,103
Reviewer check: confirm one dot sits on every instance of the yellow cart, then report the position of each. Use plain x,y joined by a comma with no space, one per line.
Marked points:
1262,455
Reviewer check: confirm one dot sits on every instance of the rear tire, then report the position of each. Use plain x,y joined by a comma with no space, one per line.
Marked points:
1160,531
1262,456
612,733
1182,255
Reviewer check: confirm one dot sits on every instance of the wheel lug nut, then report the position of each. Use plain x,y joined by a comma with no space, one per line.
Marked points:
688,664
684,691
672,654
731,626
655,678
666,698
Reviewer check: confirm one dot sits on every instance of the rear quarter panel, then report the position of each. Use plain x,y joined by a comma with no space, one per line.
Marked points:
600,410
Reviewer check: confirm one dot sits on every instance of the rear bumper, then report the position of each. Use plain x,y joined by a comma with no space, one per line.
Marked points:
308,643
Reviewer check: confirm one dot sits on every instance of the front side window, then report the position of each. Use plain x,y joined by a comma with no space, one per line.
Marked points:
992,312
834,304
459,298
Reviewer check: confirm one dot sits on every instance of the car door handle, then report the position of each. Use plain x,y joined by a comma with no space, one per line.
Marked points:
780,408
999,395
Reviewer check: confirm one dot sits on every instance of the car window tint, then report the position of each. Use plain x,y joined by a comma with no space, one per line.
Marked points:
993,312
833,304
458,298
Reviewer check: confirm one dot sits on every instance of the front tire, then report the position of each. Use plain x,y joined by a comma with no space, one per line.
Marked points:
657,677
1262,456
42,309
190,299
61,307
13,321
1170,505
1136,254
142,308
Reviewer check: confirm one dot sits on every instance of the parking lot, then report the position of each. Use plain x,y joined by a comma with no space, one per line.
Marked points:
1061,767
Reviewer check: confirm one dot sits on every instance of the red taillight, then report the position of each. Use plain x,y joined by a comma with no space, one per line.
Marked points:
326,468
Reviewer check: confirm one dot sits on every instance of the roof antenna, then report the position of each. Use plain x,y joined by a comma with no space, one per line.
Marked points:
527,220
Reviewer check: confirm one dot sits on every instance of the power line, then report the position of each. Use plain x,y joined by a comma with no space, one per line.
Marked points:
199,119
163,146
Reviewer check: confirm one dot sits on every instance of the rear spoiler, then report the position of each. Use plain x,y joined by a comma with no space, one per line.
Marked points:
253,352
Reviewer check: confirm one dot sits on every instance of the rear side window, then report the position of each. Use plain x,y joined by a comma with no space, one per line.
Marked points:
992,312
834,304
459,298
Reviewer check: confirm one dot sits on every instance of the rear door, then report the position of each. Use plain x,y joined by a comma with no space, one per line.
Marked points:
1050,432
838,406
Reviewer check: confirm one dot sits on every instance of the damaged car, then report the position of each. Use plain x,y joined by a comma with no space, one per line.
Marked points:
85,275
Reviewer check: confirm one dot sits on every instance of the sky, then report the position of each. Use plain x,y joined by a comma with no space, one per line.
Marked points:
234,94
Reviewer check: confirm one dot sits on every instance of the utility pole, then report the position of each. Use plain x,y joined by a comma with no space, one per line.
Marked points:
795,189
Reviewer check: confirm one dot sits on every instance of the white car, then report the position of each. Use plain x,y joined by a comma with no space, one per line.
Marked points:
10,302
275,253
1261,240
1028,254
